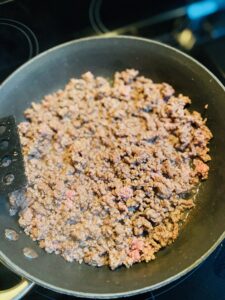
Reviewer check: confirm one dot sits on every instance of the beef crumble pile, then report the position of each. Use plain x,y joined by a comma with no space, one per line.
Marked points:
108,168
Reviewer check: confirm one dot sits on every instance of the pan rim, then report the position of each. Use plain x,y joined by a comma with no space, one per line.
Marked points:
23,273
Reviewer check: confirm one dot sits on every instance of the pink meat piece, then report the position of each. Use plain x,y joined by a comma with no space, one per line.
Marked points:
125,192
201,168
137,244
135,255
70,193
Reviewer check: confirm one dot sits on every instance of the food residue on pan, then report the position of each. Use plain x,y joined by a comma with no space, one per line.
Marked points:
11,234
29,253
108,168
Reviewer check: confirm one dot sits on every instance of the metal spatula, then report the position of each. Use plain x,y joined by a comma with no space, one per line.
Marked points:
12,171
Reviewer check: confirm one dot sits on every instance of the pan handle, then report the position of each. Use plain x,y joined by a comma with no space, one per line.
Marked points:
18,291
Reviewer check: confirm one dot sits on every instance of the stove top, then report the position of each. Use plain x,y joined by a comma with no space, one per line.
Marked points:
196,27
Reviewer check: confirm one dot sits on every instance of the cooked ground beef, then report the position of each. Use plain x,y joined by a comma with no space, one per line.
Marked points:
109,167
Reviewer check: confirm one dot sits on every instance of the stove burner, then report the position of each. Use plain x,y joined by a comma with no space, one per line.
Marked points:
219,263
5,1
19,44
94,17
174,284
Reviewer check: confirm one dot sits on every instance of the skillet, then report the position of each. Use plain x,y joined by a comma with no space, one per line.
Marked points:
205,228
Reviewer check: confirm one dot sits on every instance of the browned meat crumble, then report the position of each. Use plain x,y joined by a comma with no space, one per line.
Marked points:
109,167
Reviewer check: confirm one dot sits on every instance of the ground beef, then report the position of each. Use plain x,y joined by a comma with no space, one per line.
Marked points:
109,168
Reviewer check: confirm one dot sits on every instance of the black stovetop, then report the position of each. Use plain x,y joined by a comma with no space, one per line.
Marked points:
196,27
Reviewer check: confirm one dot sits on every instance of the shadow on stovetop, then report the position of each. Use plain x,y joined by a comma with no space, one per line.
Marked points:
7,278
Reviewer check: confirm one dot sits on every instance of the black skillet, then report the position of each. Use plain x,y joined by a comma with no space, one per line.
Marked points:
205,228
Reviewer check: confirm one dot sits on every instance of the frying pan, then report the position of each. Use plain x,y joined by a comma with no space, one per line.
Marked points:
205,228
